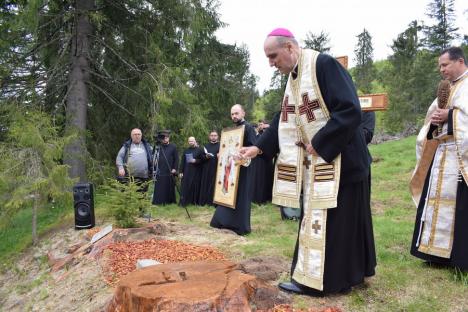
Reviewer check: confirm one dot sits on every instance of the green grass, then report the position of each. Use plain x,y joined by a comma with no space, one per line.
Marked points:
402,282
16,236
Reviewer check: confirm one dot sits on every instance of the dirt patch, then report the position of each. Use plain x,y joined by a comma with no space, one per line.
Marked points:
266,268
30,284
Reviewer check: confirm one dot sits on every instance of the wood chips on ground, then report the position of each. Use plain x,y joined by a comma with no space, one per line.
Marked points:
123,256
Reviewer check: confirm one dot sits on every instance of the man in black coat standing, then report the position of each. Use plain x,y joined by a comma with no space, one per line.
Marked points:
208,177
166,162
190,172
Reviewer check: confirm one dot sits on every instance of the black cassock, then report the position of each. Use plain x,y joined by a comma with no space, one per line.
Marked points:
261,190
238,219
190,186
459,255
350,250
166,159
208,174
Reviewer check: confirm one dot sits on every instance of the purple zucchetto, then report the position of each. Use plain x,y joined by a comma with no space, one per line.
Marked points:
280,32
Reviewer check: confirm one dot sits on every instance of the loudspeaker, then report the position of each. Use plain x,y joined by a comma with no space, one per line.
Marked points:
83,198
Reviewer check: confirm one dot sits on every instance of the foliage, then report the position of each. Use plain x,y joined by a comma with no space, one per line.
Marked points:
364,71
124,202
152,64
318,42
440,35
410,80
268,105
32,173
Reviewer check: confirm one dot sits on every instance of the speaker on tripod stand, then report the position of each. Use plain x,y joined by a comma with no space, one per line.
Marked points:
83,198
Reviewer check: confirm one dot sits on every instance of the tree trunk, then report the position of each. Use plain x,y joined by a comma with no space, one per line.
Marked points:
36,201
77,98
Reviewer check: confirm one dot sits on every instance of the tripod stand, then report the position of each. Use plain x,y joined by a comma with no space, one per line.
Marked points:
158,151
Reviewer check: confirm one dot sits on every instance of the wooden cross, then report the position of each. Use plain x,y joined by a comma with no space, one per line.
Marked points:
306,162
316,227
286,109
369,102
307,107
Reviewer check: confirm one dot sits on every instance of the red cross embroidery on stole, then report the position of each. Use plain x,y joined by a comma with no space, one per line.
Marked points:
286,109
307,107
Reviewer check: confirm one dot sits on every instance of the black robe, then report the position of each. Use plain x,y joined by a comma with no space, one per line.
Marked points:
263,185
350,251
208,177
164,183
190,186
238,219
459,255
368,126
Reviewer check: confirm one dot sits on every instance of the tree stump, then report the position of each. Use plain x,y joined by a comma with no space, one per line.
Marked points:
192,286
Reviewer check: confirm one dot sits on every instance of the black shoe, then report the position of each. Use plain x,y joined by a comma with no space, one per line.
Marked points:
294,288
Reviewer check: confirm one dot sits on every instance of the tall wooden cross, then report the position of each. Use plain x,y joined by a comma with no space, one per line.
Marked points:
369,102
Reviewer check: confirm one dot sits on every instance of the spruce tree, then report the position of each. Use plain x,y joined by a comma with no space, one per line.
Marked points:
440,35
32,173
318,42
363,71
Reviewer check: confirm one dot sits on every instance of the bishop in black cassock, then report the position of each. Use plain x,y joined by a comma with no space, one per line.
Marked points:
166,163
208,177
238,219
190,168
349,249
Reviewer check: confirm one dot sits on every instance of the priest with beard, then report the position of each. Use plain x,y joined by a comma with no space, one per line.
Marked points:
238,219
166,163
208,177
190,172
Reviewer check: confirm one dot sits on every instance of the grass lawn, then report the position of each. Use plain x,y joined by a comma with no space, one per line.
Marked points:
402,282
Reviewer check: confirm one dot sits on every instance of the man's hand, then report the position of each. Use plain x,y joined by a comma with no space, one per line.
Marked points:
181,175
121,172
173,171
439,116
310,150
249,151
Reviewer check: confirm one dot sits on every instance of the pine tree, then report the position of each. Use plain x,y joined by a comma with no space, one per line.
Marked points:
32,173
363,71
410,81
440,35
318,42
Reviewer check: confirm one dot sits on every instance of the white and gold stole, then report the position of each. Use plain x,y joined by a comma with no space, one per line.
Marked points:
449,157
303,114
